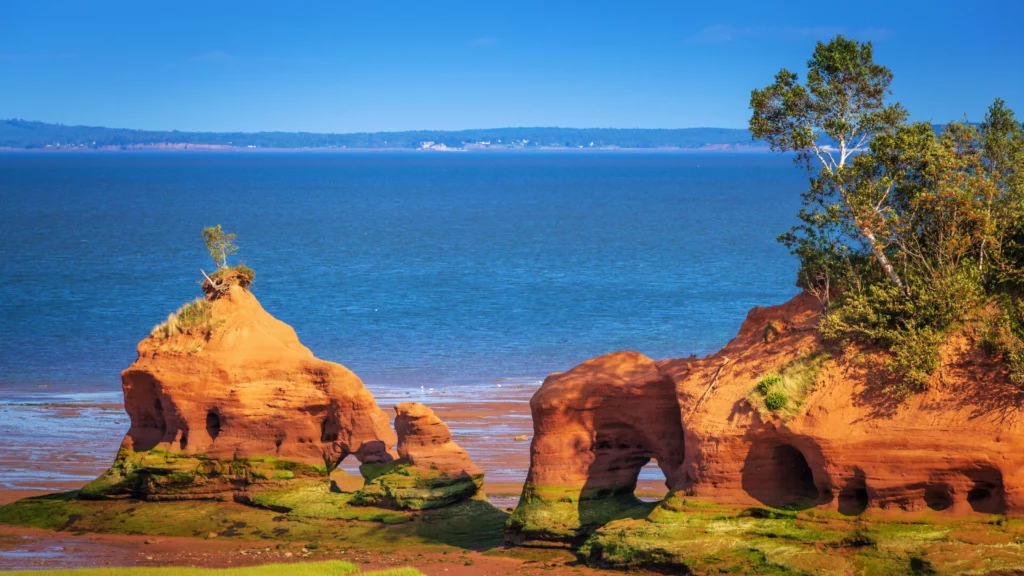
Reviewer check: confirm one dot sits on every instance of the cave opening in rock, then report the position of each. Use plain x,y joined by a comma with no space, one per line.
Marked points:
987,494
778,475
651,483
938,497
184,440
346,476
621,453
158,414
853,498
329,429
986,498
213,424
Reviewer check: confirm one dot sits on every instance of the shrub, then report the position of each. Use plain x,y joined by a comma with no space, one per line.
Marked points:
776,401
765,385
241,273
193,316
1004,337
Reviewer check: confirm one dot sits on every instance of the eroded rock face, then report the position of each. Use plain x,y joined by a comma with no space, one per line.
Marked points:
845,445
431,470
595,427
227,397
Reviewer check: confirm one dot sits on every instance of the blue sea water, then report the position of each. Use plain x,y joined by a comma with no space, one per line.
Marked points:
409,268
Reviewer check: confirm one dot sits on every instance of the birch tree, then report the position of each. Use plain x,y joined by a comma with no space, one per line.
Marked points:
828,121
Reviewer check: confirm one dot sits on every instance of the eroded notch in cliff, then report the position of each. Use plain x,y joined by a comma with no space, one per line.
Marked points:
854,498
213,424
987,494
329,429
777,474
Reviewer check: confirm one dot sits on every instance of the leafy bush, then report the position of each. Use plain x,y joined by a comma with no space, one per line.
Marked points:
906,231
1004,338
765,385
776,400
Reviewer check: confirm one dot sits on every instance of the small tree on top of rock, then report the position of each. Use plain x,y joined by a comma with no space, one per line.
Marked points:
220,245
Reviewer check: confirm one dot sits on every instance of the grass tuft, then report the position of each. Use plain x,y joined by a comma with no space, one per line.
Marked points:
782,393
195,316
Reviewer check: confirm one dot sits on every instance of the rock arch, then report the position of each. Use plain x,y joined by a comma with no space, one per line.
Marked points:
595,427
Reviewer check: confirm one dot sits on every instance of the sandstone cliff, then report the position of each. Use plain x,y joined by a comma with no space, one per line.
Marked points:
837,441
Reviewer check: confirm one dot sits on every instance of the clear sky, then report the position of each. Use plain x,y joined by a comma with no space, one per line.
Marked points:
394,65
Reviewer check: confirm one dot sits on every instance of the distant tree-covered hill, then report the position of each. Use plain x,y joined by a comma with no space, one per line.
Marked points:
29,135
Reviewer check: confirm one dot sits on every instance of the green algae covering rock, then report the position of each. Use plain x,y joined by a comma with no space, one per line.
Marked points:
431,471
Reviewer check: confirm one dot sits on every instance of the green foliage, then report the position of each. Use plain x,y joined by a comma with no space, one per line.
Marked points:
905,230
782,394
765,385
244,274
1004,337
195,316
219,244
776,400
405,487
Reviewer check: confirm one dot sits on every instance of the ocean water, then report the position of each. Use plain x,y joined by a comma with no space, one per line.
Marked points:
412,269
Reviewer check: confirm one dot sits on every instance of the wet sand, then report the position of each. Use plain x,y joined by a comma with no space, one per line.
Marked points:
59,440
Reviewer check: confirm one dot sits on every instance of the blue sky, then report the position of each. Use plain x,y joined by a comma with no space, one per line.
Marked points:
368,66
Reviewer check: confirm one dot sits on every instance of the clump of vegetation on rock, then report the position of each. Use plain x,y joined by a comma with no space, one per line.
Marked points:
220,245
765,385
907,229
195,316
783,392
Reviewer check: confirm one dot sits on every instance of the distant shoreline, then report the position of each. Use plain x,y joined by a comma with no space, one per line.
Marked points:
215,148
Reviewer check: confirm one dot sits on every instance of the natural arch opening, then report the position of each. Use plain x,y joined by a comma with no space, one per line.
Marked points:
853,498
620,454
778,475
652,484
213,424
346,476
938,497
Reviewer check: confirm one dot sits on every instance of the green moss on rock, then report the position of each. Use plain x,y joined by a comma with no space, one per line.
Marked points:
555,515
404,487
158,474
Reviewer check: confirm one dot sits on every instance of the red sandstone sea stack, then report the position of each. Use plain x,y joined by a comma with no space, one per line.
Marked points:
223,380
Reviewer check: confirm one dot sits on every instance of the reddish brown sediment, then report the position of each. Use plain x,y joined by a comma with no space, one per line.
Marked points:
248,388
598,424
101,550
955,448
424,440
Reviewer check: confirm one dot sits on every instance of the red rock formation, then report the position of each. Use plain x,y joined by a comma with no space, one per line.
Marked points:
596,425
848,446
431,470
225,380
424,440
